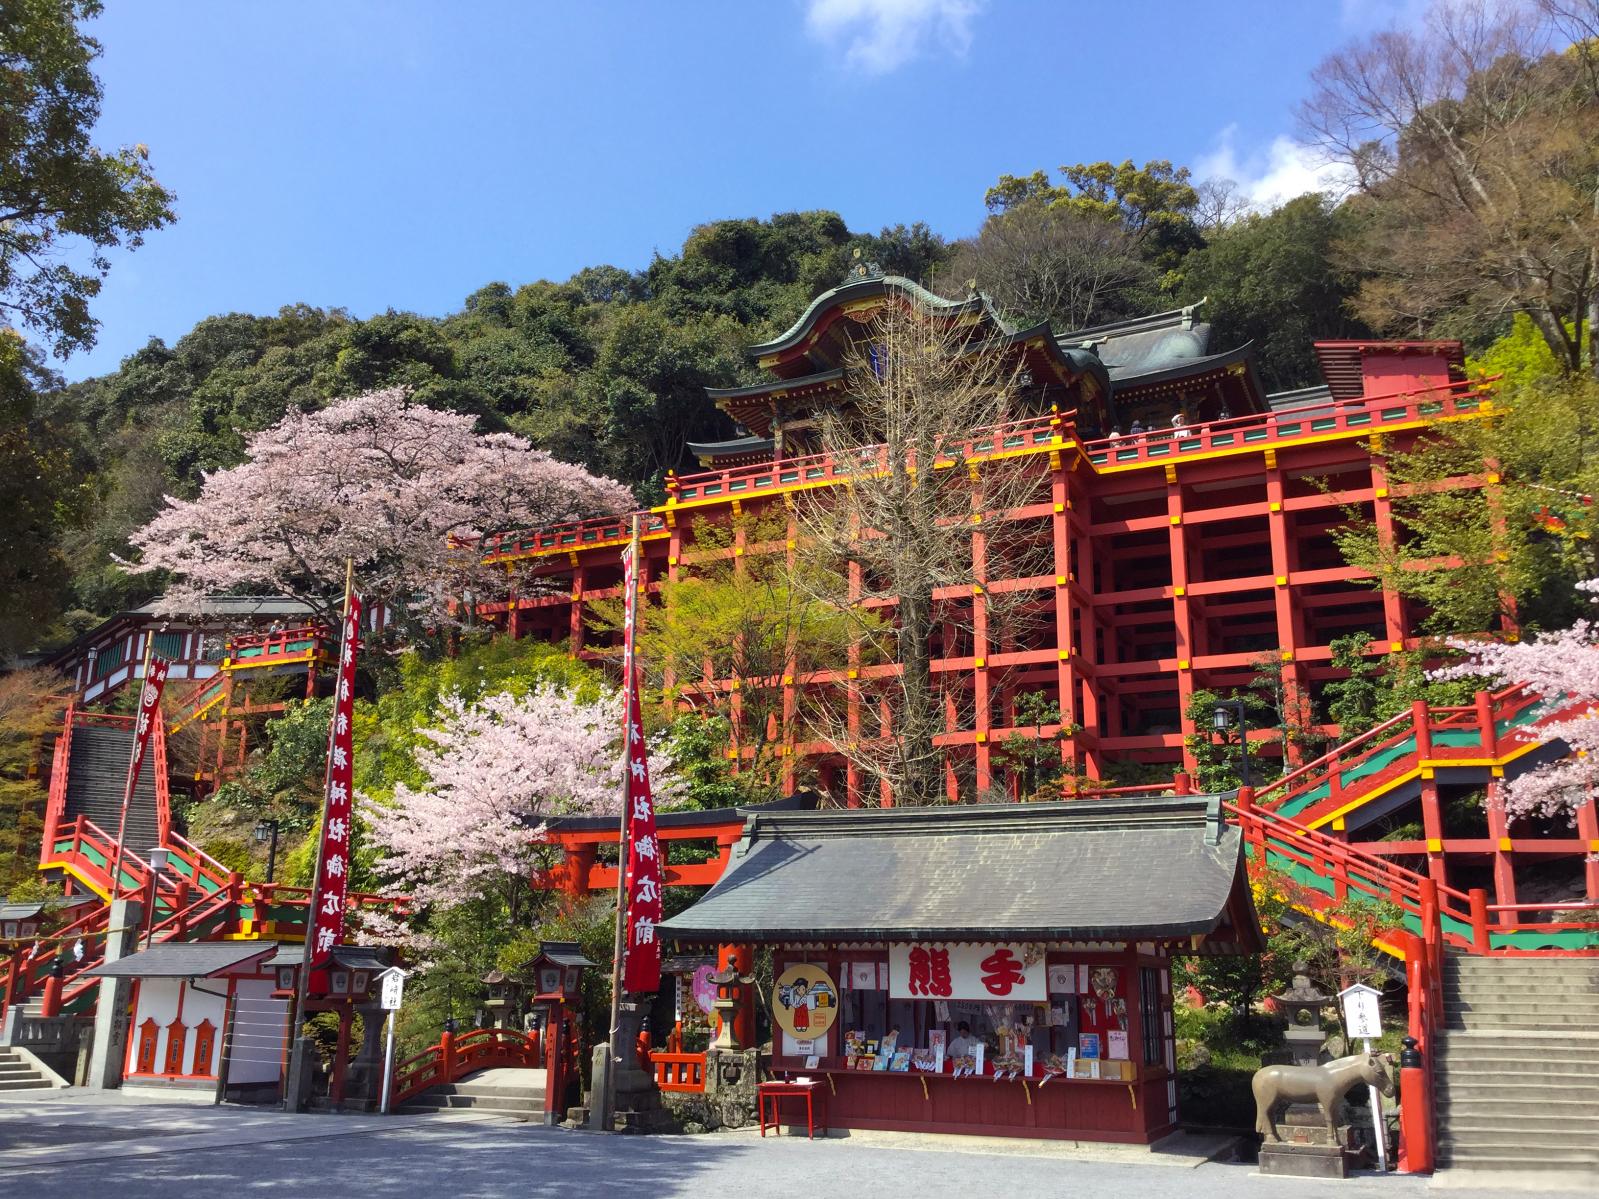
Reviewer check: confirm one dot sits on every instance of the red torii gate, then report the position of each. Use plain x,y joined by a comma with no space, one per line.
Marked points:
581,873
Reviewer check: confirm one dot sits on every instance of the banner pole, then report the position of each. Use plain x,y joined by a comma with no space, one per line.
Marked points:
302,985
619,949
133,756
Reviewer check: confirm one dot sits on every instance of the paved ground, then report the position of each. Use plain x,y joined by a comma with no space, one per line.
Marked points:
71,1145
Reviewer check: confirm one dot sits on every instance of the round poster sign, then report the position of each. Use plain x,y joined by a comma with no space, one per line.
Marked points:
703,989
805,1002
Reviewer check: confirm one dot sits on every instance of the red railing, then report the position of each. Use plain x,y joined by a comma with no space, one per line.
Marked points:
684,1072
1336,769
200,698
199,867
29,965
56,806
456,1056
1361,414
274,646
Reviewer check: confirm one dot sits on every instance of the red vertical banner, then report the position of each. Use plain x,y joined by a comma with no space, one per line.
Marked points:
155,682
333,864
641,951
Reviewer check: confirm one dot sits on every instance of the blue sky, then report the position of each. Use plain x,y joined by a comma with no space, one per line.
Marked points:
401,154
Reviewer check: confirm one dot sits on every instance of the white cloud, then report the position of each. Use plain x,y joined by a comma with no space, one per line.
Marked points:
879,36
1280,171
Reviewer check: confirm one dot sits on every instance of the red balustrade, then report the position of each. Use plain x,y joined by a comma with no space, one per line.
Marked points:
457,1055
681,1072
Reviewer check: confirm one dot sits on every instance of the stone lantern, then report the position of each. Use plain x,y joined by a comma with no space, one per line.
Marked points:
504,1000
1302,1003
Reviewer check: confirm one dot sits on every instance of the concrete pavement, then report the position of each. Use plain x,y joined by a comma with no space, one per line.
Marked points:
72,1144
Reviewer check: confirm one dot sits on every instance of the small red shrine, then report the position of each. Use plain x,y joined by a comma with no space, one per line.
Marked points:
1000,969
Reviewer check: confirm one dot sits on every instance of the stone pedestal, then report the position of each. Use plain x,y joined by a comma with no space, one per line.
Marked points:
1308,1149
731,1076
638,1100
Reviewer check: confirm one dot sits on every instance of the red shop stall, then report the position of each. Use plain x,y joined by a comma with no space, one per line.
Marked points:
1000,969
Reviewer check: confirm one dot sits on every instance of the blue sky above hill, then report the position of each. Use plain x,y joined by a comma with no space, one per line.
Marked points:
400,153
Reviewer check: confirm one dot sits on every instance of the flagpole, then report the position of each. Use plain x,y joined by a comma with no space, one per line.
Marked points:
630,601
133,750
302,986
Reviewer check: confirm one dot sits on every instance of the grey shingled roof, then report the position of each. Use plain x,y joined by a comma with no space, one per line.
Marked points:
184,959
351,957
1101,870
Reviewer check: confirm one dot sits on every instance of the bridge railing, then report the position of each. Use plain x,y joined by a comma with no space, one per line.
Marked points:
457,1055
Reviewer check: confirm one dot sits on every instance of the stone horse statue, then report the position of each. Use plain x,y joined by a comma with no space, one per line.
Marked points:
1322,1085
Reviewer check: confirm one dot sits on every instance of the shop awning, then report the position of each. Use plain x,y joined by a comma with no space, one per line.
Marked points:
1076,871
184,959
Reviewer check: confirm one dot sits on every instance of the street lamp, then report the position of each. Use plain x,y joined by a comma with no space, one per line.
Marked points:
1226,713
266,833
158,863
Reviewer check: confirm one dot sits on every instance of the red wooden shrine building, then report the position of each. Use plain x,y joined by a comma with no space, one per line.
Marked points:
1183,555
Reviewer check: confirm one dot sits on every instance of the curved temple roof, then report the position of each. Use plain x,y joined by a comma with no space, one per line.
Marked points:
869,288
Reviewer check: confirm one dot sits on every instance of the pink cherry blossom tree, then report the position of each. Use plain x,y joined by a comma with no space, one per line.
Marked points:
1562,669
401,489
496,770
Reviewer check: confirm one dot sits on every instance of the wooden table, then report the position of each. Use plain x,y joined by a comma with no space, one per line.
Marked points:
778,1091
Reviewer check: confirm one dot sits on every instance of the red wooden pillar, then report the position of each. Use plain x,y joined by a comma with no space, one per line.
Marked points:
1290,624
513,617
1499,833
50,1000
982,704
742,959
575,626
1181,617
555,1063
852,690
1588,830
1393,606
1061,544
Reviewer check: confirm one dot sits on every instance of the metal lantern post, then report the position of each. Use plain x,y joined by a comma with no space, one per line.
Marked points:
267,831
158,862
1228,712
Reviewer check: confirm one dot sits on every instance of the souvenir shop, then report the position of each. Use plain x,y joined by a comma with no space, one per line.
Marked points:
999,969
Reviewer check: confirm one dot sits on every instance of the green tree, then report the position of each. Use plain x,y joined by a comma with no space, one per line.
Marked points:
29,711
1274,279
1155,203
60,194
1515,553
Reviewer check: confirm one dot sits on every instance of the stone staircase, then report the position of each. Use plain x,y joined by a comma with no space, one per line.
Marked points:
505,1091
96,777
18,1074
1518,1065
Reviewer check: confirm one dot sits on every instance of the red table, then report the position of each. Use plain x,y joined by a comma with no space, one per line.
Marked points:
778,1091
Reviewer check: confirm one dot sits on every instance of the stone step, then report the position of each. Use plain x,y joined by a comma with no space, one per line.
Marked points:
1539,1153
1516,1089
428,1102
1501,1075
1532,1017
31,1083
15,1070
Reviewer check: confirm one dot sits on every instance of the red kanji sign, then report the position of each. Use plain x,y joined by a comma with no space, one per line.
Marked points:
1001,972
641,951
963,970
930,972
333,865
